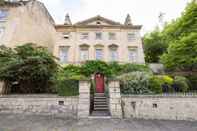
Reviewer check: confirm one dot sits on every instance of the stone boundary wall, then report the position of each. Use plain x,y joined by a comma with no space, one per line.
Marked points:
39,104
170,107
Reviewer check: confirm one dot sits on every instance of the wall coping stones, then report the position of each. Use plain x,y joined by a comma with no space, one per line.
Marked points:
162,96
36,96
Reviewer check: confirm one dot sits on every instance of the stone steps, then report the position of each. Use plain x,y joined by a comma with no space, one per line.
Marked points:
100,105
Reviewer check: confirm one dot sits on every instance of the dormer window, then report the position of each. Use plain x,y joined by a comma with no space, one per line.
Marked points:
66,35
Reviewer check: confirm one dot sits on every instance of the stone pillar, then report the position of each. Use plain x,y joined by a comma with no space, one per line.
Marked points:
115,99
2,86
84,99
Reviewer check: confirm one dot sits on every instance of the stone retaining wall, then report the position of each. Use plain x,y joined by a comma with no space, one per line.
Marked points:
160,107
39,104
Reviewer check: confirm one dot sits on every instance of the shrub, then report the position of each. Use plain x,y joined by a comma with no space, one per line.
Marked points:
166,83
193,82
67,87
27,68
115,68
167,79
71,72
155,84
92,67
180,84
134,83
126,68
2,2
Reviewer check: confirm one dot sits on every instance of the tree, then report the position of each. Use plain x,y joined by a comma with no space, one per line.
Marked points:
27,68
182,36
181,54
154,46
2,2
157,42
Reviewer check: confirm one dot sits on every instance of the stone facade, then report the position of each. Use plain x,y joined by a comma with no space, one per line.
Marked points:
99,38
26,22
160,107
39,104
115,99
84,99
94,38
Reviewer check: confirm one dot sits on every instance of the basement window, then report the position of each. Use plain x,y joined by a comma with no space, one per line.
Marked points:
61,103
155,105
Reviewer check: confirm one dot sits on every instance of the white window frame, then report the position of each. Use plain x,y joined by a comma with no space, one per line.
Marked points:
112,36
85,36
84,54
113,54
99,56
3,18
2,31
131,36
63,54
96,36
133,54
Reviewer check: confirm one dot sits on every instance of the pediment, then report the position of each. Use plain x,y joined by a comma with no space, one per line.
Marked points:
98,20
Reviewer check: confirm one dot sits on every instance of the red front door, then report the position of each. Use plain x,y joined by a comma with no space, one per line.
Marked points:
99,79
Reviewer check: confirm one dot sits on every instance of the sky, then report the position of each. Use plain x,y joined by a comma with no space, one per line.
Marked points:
142,12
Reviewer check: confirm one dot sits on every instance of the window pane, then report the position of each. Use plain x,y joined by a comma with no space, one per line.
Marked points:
99,36
114,55
112,36
84,54
63,54
99,54
133,55
3,14
2,29
84,36
131,36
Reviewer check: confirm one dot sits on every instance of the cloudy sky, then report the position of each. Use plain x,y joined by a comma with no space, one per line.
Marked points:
144,12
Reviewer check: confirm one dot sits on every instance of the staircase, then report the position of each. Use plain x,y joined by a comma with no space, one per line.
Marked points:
100,105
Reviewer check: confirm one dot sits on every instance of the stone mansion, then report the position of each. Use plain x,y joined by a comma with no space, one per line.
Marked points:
96,38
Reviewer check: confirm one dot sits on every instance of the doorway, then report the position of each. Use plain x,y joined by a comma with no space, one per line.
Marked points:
99,82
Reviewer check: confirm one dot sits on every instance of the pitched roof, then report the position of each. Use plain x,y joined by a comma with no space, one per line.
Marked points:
98,17
108,24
